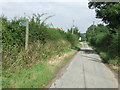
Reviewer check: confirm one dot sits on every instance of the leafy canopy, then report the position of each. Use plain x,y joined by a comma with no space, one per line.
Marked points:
109,12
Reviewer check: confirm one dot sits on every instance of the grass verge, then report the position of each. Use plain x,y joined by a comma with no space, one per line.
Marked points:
37,76
112,63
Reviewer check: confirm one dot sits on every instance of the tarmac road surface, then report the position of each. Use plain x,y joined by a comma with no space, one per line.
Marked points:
86,71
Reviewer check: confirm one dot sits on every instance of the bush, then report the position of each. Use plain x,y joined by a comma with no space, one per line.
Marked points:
113,46
72,39
105,56
43,42
113,61
106,42
102,41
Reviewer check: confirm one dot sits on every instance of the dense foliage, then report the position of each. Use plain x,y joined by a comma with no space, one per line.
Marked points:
75,31
109,12
83,36
105,38
45,41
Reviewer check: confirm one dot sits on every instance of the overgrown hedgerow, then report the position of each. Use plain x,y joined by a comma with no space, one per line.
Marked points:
106,43
46,41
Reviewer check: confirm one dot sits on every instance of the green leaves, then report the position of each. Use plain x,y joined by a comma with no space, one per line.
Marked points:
109,12
50,41
72,39
104,41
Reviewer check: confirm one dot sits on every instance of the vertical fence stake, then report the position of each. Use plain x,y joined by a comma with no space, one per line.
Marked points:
27,34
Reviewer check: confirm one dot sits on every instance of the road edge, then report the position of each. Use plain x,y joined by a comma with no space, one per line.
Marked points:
61,70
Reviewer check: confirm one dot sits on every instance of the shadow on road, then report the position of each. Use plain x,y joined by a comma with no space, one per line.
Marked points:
93,59
87,51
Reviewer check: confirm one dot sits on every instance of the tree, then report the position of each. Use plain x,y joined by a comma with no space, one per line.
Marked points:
109,12
75,31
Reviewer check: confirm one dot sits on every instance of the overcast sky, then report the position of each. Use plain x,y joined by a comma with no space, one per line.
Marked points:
65,12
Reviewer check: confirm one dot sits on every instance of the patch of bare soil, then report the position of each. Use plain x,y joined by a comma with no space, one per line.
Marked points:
55,61
58,58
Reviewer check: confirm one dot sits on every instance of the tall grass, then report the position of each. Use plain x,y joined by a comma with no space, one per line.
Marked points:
46,40
31,68
27,68
14,59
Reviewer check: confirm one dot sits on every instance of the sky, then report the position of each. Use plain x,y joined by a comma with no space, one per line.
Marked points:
64,11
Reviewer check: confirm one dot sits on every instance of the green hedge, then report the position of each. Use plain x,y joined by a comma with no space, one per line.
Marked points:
49,40
106,43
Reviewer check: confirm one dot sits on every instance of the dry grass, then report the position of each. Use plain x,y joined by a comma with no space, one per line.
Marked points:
58,58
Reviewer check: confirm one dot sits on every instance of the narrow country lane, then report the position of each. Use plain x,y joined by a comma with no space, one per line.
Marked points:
86,71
